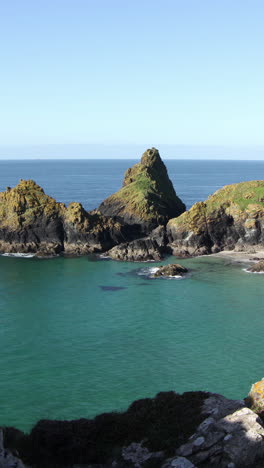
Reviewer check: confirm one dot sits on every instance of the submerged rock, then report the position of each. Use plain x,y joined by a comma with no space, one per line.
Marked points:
257,268
147,198
174,269
232,218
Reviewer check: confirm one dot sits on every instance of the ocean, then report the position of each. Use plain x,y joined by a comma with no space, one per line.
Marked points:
81,336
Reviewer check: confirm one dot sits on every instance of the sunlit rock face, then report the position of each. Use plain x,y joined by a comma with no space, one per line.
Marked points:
147,197
232,218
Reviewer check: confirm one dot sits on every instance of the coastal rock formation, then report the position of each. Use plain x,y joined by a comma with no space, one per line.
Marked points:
256,396
31,221
139,250
232,218
257,268
147,198
195,429
174,269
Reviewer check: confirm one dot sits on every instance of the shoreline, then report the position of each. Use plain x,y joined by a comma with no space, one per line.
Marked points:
241,256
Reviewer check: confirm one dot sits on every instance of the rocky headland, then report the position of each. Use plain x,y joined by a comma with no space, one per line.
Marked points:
231,219
143,221
31,221
195,429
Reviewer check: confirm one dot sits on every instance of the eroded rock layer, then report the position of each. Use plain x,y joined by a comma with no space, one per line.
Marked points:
147,198
232,218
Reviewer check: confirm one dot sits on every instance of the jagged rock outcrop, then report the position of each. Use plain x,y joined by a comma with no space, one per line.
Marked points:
139,250
147,198
233,440
195,429
173,269
232,218
31,221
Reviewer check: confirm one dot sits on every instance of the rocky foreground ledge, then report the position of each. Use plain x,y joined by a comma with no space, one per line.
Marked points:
145,220
195,429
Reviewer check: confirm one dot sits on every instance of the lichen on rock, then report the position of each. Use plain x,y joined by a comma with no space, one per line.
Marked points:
231,218
147,197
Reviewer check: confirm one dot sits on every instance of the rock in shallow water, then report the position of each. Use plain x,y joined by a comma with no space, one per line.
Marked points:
257,268
174,269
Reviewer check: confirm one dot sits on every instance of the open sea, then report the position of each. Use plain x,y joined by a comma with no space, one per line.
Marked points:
81,336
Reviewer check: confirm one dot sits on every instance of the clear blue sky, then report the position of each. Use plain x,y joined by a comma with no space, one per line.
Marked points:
141,72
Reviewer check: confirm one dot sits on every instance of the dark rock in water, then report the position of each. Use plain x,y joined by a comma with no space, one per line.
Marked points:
257,268
112,288
140,250
173,269
33,222
231,219
147,198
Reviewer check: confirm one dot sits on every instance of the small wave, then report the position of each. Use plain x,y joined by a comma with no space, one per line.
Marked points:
18,255
149,272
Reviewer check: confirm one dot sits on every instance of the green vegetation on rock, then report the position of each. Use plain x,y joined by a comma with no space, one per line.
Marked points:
147,195
24,203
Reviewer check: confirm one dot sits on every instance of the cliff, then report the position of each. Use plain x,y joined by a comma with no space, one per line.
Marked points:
31,221
232,218
195,429
147,198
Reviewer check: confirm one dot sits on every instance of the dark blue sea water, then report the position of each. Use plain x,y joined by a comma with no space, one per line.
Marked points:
79,336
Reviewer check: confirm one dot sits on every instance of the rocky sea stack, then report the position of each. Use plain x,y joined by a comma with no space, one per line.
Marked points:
174,269
33,222
147,198
232,218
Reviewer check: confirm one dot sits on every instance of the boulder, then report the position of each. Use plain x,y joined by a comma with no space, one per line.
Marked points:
231,436
140,250
256,396
174,269
257,268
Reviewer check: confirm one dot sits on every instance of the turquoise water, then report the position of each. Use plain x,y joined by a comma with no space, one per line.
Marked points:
73,346
80,336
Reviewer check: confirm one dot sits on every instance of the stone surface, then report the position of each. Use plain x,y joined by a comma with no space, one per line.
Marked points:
7,459
147,198
140,250
178,462
257,268
33,222
256,396
232,218
174,269
232,435
137,454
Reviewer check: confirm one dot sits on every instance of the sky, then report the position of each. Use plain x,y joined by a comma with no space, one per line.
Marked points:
106,78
